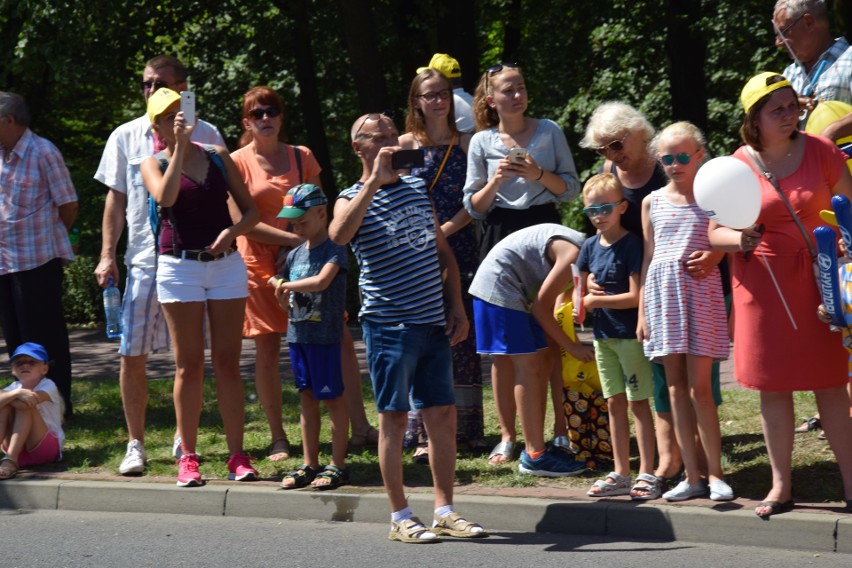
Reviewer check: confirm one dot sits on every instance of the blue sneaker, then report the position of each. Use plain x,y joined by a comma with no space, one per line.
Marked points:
552,463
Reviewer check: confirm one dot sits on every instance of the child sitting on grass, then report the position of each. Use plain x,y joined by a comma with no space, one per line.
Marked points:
614,256
313,290
30,413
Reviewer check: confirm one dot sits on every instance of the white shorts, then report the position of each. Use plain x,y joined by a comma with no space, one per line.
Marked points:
180,280
143,326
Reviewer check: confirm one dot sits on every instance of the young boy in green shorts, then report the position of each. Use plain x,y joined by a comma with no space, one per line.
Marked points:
614,256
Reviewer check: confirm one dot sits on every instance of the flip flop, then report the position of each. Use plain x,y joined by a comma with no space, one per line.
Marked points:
505,449
808,425
280,450
7,472
370,438
775,508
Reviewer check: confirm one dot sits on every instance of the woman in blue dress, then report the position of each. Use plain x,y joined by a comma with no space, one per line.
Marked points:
430,125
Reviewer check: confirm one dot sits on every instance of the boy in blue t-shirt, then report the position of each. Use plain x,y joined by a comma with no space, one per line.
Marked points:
313,290
614,256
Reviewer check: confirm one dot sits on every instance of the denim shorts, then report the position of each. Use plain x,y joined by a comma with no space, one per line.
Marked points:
409,362
317,367
183,280
503,331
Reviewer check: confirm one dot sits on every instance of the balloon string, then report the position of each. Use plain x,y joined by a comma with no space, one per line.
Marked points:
778,288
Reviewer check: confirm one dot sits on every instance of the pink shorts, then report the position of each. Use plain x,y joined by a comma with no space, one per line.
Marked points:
47,451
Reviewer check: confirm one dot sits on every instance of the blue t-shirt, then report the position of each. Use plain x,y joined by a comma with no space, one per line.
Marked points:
612,267
400,279
316,317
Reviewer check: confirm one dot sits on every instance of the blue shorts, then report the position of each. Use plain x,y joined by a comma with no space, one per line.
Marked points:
661,391
409,365
317,367
503,331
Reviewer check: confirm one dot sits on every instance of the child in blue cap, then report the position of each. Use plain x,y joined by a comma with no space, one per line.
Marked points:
30,413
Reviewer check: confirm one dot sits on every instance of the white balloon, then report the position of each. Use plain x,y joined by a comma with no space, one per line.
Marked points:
729,192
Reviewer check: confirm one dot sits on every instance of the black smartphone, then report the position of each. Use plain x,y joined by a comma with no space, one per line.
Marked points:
407,159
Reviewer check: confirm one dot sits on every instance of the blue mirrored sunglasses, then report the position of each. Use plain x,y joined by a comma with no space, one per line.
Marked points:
603,210
682,158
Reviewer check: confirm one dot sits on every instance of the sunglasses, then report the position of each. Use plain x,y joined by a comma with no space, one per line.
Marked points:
259,113
682,159
615,146
497,68
443,95
153,85
603,210
371,117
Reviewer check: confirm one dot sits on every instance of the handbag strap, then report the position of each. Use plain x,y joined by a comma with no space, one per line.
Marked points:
443,162
771,178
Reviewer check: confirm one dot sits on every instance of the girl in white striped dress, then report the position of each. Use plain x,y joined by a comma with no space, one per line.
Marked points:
682,319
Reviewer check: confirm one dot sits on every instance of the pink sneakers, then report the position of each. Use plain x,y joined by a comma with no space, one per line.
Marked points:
239,466
188,475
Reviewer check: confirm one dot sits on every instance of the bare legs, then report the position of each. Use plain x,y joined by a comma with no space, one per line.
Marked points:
267,382
133,383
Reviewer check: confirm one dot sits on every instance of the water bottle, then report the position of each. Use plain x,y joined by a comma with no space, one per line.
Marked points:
112,310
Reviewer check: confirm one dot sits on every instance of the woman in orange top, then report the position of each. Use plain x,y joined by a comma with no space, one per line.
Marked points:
269,168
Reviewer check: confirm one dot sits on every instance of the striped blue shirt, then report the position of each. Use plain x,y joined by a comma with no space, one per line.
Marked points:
835,82
400,278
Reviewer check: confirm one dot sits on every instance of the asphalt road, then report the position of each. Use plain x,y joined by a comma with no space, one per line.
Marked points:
78,539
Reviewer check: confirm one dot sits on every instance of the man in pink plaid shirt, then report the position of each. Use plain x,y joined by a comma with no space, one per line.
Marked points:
38,205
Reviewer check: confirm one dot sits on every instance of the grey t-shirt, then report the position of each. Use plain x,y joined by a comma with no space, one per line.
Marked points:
316,317
512,273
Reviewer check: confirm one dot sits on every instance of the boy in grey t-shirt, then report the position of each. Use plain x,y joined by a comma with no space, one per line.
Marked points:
313,289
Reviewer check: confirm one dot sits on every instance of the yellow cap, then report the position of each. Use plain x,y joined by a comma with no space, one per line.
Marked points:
442,62
161,100
758,87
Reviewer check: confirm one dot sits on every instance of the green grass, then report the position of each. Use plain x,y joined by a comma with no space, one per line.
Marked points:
96,441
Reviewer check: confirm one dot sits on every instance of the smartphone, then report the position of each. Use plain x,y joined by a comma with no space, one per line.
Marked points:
518,155
187,107
407,159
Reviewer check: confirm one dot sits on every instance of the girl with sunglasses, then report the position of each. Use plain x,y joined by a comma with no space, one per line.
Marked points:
430,125
682,319
507,195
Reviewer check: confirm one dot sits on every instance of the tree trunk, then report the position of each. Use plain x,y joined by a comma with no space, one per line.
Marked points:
365,63
687,51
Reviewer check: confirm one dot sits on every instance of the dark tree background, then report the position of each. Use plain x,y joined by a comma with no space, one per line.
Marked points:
79,64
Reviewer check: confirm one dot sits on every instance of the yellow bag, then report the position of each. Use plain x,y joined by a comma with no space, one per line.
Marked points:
576,375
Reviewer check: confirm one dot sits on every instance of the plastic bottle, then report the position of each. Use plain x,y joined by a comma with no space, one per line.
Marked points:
112,310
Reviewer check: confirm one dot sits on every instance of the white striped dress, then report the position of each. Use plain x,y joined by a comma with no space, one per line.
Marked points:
684,314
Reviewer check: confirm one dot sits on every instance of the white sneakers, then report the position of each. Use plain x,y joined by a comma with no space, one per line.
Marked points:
134,459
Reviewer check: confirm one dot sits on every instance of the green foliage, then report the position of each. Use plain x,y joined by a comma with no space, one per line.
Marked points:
82,299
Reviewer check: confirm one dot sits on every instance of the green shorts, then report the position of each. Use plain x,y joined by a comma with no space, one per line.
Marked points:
661,391
623,368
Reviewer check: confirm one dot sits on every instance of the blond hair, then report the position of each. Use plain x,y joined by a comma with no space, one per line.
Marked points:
603,183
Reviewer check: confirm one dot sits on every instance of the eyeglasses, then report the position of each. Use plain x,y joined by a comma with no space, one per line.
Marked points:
615,146
497,68
603,210
371,117
789,27
259,113
155,85
682,158
442,95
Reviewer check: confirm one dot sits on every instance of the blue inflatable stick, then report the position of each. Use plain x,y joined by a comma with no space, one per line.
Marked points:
843,213
828,279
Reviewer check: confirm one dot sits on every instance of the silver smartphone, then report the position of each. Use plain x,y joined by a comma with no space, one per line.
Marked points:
187,107
518,155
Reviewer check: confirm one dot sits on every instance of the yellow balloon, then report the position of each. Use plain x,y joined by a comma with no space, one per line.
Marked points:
824,114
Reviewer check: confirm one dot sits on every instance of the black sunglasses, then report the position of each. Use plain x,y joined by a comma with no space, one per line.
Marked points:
497,68
259,113
153,85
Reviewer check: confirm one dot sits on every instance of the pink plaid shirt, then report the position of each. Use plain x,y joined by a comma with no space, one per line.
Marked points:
34,183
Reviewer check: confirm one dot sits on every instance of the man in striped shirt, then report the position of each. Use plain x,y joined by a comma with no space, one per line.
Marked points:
38,207
390,223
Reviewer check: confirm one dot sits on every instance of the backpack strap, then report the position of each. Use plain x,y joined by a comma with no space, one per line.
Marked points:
298,154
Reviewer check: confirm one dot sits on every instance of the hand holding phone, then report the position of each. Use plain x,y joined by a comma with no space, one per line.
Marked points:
187,107
407,159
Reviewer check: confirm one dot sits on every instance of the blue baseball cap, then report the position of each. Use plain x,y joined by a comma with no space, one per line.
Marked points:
301,198
34,350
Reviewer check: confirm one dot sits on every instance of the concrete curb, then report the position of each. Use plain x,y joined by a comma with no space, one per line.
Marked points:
724,524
